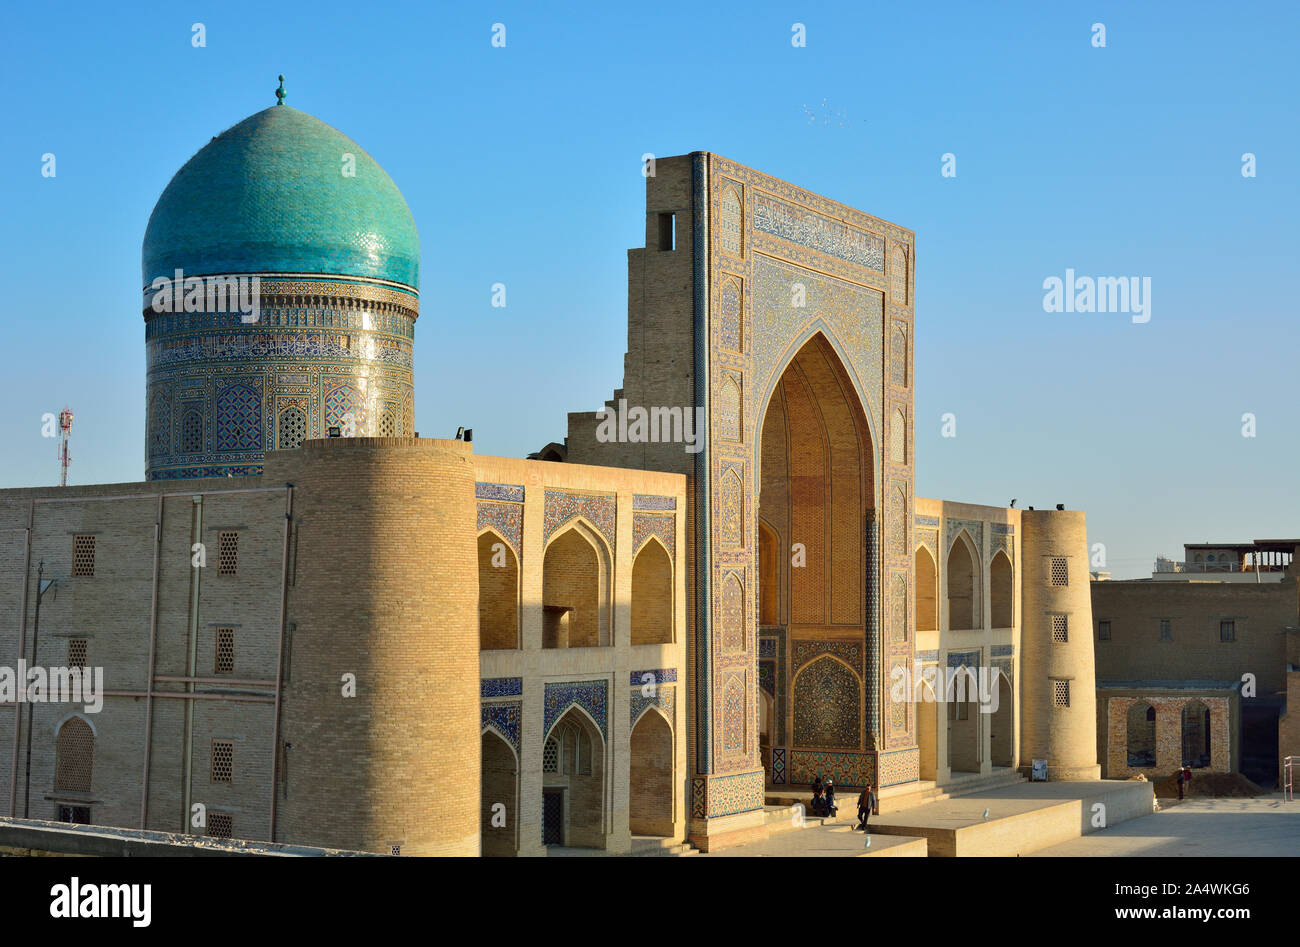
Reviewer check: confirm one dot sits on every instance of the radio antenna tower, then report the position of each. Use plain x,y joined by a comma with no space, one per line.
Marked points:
65,429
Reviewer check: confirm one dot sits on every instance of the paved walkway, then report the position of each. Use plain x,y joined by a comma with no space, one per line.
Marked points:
832,840
1263,826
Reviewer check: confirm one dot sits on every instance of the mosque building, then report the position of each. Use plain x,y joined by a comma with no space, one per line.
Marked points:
317,627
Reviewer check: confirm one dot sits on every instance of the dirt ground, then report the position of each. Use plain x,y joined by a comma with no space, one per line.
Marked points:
1211,785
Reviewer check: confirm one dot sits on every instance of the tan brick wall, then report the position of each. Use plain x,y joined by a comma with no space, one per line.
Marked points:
573,580
1168,733
387,591
652,596
111,609
1194,610
498,593
650,792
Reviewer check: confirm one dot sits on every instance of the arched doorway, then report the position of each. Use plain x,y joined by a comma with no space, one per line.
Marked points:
963,587
650,794
1196,734
1141,729
817,498
927,728
498,593
1000,590
927,591
964,746
575,597
1002,745
652,595
573,796
500,808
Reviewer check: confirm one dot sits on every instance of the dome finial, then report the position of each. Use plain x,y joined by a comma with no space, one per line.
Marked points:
280,93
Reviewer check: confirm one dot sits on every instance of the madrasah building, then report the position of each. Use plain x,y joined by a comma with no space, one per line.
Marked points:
385,642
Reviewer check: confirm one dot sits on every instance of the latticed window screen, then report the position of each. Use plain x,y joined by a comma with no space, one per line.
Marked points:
74,757
1166,630
1103,631
77,652
387,426
83,555
227,552
1061,693
551,756
192,433
396,848
225,660
1227,631
1060,628
293,428
223,761
221,825
1060,571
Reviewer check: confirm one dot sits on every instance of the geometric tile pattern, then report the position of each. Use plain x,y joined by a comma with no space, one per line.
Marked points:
658,676
591,696
507,519
850,651
901,766
642,501
504,718
778,766
239,417
645,525
560,507
665,698
847,769
826,705
501,687
729,795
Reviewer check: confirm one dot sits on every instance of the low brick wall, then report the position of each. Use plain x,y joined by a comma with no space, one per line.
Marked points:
32,837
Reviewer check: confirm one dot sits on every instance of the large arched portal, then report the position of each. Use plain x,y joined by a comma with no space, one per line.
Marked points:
816,503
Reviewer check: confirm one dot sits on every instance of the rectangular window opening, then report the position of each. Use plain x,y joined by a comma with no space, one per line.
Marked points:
667,231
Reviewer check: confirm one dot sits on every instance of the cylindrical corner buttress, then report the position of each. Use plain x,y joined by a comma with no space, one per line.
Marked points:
1059,692
381,705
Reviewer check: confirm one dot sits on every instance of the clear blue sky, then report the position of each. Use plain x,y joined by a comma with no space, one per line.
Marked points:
522,165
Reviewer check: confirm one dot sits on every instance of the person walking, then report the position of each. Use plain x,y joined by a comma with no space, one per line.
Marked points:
867,807
1181,775
831,808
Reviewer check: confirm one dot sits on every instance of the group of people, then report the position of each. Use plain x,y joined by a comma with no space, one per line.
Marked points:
823,801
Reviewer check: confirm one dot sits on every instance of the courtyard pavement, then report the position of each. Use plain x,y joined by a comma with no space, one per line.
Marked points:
1263,826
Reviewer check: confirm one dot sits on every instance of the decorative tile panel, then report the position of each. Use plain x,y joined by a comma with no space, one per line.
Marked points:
591,696
561,507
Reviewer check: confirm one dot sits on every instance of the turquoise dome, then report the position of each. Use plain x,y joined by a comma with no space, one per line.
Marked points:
269,195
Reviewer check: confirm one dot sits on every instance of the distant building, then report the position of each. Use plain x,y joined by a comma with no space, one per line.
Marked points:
1193,664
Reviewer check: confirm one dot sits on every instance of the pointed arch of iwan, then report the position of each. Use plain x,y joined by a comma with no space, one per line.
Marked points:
576,582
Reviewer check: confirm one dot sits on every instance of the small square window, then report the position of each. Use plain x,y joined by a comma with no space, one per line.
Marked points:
225,660
227,552
83,555
223,761
1103,631
1060,628
1227,631
1061,693
77,815
221,825
77,648
1060,571
1166,630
